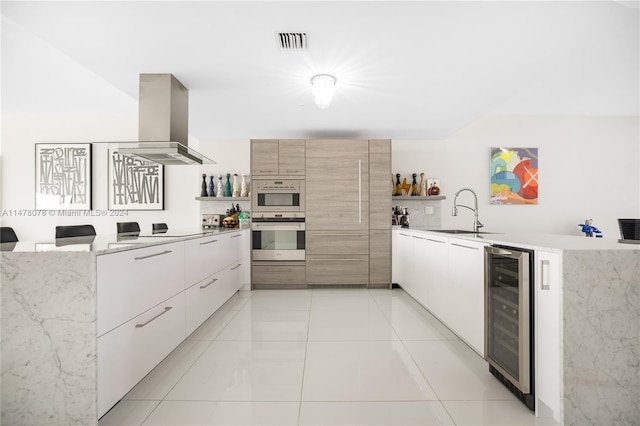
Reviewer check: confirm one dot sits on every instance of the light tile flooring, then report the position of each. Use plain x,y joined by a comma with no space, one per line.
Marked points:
321,357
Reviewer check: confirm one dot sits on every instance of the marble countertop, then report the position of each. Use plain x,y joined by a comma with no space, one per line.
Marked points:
536,241
106,244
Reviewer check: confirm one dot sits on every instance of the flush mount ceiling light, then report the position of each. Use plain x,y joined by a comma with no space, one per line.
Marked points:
323,87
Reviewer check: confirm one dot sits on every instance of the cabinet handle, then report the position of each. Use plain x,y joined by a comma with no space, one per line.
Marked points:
209,242
166,309
462,245
265,171
544,275
420,238
337,235
236,267
341,259
293,171
278,269
359,191
207,285
235,236
152,255
406,235
435,241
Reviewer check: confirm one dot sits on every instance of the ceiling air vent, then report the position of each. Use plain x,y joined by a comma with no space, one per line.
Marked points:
292,41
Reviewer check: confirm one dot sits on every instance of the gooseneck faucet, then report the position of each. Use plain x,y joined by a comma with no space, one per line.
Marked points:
454,211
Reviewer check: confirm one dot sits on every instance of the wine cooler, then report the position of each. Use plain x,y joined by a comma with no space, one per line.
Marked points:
508,345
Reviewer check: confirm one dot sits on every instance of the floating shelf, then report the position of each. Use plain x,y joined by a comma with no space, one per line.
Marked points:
417,198
223,199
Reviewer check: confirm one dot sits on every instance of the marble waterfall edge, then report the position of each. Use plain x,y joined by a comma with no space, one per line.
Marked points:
48,338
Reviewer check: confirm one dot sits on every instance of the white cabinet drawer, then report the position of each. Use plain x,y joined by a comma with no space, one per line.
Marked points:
133,281
128,353
203,257
204,298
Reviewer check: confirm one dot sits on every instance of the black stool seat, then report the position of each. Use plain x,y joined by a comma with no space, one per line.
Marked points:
629,229
128,228
75,231
8,235
159,228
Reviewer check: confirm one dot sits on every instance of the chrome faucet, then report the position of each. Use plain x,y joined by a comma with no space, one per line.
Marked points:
454,211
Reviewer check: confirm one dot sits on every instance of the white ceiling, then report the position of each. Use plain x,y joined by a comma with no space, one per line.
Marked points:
405,70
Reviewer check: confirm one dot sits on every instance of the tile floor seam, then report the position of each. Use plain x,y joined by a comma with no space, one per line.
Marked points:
304,362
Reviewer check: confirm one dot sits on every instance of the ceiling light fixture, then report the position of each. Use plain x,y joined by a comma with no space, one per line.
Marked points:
323,87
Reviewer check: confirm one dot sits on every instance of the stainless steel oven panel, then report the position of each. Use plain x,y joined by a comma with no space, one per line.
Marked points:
276,253
279,255
262,188
523,383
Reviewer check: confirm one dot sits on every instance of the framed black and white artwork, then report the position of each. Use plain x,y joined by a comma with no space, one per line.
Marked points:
63,176
134,183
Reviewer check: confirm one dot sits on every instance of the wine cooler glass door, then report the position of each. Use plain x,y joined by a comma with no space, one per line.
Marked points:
507,334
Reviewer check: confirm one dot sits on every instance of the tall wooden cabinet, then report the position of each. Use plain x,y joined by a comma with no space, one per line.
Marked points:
348,238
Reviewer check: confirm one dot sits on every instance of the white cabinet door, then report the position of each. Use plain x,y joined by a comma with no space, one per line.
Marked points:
548,316
204,257
466,291
404,254
433,260
133,281
127,353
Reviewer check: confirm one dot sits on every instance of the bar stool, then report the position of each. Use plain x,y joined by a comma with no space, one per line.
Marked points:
75,231
159,228
128,228
8,235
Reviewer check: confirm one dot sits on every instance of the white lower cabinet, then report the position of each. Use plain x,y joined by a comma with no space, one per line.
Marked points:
403,255
430,264
465,312
127,353
548,336
205,297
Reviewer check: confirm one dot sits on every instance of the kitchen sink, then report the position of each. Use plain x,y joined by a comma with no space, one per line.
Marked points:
459,231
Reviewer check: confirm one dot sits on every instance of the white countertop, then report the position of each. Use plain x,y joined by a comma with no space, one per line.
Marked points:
535,241
105,244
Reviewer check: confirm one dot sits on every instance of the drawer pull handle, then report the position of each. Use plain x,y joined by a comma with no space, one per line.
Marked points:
209,242
338,235
153,255
341,259
166,309
435,241
207,285
235,236
462,245
420,238
278,269
405,235
544,275
236,267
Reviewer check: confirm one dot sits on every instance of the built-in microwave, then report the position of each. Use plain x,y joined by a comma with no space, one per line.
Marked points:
278,195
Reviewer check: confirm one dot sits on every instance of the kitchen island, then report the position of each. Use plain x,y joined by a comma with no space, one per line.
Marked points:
587,321
69,308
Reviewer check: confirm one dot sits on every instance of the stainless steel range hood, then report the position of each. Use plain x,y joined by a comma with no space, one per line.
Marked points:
163,123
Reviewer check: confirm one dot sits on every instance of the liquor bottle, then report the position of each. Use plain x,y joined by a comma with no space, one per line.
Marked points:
203,191
414,186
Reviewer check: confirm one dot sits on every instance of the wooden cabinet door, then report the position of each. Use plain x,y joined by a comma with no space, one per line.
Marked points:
337,184
335,269
380,184
380,258
291,157
264,157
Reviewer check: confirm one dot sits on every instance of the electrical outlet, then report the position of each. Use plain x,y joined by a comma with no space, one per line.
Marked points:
428,210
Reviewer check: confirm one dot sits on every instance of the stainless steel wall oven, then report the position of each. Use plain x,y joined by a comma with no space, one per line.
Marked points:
278,238
509,335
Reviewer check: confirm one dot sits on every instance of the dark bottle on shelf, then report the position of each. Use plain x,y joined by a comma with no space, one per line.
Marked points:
203,191
414,186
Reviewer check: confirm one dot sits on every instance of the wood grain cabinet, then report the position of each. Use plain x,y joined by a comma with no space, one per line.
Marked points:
348,238
277,157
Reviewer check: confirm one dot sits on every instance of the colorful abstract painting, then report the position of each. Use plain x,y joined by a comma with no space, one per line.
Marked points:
514,175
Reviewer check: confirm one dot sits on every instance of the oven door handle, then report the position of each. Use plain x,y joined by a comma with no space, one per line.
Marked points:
279,227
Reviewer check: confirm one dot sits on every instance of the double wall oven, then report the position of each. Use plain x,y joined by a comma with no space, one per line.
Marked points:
278,220
509,321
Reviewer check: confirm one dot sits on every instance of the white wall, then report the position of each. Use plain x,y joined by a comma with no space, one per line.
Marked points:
588,169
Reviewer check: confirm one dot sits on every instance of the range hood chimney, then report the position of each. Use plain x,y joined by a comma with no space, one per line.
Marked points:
163,122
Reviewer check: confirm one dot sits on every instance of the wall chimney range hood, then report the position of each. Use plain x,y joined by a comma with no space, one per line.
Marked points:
163,123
